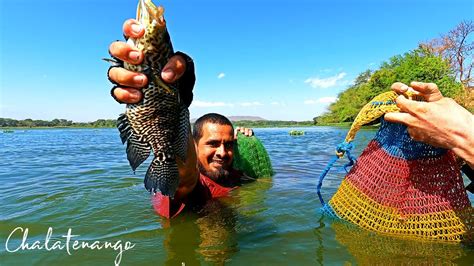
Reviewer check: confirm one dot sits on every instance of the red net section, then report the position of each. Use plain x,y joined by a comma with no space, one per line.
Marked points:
418,186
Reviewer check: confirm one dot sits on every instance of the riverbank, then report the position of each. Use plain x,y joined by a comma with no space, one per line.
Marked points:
340,125
34,128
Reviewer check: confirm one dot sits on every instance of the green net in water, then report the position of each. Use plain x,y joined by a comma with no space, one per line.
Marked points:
251,157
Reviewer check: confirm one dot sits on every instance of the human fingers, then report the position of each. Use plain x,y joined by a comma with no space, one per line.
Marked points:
133,28
400,118
415,134
126,52
127,78
399,87
411,106
429,91
248,132
174,69
422,136
127,95
236,132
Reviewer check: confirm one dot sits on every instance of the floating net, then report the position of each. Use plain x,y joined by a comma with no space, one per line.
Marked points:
251,157
399,186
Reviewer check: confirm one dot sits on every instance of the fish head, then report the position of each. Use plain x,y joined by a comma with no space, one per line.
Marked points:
156,42
150,14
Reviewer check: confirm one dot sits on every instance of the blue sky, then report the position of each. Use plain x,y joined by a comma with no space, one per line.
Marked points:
280,59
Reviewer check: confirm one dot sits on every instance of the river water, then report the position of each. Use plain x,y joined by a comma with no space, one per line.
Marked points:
78,180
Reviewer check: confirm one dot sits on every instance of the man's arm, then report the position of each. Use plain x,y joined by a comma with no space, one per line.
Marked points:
128,90
439,121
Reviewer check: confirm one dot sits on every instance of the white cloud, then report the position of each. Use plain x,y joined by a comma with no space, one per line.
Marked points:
201,104
327,100
246,104
326,82
323,100
221,75
275,103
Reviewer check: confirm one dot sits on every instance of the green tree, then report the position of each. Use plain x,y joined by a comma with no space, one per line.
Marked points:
418,65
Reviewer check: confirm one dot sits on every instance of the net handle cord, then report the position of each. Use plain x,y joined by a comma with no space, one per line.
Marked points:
377,107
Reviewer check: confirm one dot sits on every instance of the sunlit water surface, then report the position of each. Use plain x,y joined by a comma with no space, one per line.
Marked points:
79,179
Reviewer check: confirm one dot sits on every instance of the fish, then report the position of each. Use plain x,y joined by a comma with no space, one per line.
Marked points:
159,123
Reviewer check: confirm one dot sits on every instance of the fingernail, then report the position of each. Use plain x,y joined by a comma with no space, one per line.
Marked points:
139,79
137,28
135,94
404,88
134,55
168,75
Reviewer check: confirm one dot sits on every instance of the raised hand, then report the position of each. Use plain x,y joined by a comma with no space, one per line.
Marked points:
129,84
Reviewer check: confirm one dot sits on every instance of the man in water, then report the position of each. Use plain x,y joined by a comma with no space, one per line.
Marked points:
208,171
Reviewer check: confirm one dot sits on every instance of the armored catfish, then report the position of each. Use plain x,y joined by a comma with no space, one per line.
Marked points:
160,122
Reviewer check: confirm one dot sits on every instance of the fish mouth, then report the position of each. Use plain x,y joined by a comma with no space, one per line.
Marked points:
148,13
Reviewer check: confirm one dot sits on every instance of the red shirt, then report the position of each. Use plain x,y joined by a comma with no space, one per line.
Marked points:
205,189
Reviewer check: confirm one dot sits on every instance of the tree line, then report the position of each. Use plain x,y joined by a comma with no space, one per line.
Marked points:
30,123
446,61
271,123
111,123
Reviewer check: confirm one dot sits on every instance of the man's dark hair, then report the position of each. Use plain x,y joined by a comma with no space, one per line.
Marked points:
209,118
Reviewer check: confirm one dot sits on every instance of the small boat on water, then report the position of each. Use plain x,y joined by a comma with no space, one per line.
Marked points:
8,131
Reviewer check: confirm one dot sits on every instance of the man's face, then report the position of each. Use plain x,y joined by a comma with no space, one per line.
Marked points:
216,150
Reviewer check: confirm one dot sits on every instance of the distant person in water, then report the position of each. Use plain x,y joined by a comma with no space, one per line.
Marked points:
208,171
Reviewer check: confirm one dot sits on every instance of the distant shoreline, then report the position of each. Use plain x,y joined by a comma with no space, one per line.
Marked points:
344,124
238,121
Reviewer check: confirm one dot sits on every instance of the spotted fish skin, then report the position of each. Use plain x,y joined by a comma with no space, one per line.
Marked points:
160,122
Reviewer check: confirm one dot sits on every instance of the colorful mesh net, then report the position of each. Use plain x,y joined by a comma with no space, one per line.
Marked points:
251,157
399,186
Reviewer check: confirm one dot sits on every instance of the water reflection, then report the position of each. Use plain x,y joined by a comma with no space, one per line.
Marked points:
211,233
369,248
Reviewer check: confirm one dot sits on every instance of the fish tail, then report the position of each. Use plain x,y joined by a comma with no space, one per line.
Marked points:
162,174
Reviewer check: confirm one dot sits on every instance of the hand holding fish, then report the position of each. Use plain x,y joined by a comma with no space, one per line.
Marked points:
146,73
130,83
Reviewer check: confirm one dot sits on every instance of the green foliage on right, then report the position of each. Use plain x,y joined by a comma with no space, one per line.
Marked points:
251,157
417,65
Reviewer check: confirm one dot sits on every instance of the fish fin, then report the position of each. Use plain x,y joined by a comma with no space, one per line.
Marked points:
162,174
137,151
124,128
115,62
181,140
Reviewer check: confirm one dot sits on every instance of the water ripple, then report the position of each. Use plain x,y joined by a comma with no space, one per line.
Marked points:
80,179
